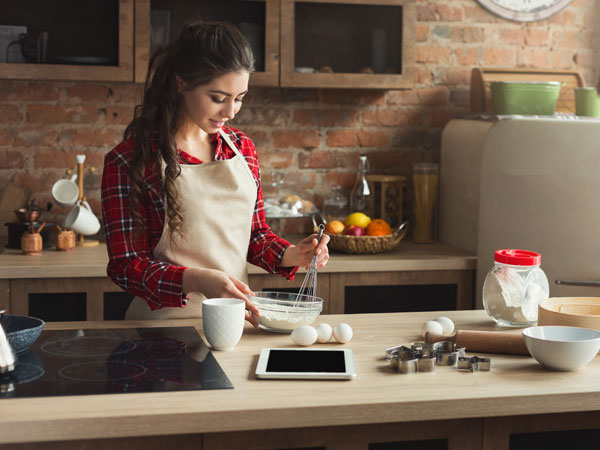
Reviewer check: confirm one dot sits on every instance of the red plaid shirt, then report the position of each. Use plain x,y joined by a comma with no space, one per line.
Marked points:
131,264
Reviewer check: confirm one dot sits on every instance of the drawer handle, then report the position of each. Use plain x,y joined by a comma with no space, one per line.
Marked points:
578,283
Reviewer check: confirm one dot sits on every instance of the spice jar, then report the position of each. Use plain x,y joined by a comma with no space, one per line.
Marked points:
65,240
514,287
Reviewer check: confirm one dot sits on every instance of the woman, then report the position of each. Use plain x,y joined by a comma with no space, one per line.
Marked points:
181,196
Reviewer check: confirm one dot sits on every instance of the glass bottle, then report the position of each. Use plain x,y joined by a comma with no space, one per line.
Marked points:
360,197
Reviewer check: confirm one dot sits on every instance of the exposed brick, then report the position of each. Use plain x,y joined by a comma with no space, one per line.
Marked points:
10,159
561,59
37,91
564,18
373,138
7,136
45,158
477,13
439,118
586,59
421,32
447,13
426,13
539,38
467,56
326,117
93,159
75,137
437,55
564,39
107,137
499,56
342,138
8,90
453,75
326,159
352,97
297,139
29,181
276,159
275,117
468,35
510,37
461,98
88,92
50,114
402,97
423,75
303,180
344,179
36,136
532,58
118,115
434,96
10,113
392,118
442,31
126,93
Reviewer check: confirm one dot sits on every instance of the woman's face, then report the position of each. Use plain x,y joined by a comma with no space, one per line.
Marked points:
211,105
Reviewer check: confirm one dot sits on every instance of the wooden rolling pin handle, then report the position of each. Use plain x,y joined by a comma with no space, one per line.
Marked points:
485,341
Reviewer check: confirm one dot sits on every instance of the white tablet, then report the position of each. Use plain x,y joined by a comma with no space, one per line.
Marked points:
306,363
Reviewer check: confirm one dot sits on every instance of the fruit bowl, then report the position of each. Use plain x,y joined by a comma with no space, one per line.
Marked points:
367,244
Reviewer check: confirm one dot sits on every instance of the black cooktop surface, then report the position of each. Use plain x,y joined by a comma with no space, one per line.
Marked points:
112,361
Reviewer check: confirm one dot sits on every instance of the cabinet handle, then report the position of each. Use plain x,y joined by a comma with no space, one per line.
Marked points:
578,283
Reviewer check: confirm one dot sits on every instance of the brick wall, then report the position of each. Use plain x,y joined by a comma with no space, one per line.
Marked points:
312,136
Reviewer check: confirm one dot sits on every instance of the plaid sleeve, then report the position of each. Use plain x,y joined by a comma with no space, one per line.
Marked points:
266,249
131,264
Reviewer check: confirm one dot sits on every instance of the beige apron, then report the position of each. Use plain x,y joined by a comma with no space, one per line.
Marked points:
218,201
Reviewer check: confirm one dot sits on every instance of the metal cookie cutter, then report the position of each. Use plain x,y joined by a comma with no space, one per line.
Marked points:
447,353
408,360
474,364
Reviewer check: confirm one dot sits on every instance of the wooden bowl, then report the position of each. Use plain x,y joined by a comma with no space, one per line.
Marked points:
581,312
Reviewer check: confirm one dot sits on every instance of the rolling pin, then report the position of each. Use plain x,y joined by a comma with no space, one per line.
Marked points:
484,341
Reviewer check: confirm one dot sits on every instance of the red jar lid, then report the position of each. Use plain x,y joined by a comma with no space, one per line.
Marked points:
516,257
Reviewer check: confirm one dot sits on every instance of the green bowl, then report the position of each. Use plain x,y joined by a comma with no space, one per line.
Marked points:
525,97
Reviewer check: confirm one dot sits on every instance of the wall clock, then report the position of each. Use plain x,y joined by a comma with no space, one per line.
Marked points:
524,10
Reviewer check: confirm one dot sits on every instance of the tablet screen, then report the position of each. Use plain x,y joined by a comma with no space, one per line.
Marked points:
331,361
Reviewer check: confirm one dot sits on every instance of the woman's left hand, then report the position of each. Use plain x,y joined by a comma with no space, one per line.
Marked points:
301,254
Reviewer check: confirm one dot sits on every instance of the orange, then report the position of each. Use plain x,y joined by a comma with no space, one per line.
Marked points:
334,227
378,227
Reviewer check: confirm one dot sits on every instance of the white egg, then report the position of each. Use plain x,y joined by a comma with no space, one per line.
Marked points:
324,332
447,324
304,335
432,327
342,333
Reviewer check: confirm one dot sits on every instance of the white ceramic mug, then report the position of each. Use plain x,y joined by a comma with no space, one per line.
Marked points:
65,193
223,321
82,220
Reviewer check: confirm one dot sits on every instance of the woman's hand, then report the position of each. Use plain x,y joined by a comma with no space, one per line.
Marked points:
217,284
301,254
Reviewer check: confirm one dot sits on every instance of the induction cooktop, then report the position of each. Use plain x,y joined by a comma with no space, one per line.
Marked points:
112,361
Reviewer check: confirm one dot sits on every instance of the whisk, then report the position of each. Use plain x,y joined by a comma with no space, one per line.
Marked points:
309,285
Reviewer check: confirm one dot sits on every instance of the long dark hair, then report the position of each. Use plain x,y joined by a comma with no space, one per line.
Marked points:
204,51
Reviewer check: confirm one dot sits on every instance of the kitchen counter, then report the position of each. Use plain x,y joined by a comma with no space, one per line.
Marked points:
471,410
84,271
92,261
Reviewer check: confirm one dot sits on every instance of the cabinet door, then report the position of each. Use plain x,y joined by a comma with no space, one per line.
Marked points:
158,22
91,40
347,43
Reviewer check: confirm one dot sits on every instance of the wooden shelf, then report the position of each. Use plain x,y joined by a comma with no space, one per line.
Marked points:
121,72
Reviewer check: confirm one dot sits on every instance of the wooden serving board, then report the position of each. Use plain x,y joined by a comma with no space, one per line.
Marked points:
481,96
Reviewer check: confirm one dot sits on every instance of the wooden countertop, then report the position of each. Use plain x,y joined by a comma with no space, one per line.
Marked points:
91,261
516,385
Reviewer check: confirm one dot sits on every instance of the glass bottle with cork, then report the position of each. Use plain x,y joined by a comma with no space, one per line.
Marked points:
360,197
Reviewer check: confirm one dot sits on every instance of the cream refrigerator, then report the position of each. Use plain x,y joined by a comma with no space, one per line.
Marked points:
525,182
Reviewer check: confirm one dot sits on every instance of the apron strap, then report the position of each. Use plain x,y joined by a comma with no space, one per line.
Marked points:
233,147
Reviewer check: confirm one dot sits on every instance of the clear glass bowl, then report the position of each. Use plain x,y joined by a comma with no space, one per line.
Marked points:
282,312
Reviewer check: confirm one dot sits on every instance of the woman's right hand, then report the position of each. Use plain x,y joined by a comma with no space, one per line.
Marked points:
217,284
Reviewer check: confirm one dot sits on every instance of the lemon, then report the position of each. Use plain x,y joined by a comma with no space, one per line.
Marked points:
359,219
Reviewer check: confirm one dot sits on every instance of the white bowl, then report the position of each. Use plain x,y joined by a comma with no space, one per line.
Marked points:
562,348
283,312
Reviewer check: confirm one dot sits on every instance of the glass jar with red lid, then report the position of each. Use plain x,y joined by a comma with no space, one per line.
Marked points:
514,287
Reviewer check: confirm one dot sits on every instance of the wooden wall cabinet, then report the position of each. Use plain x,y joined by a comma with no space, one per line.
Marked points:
367,44
69,57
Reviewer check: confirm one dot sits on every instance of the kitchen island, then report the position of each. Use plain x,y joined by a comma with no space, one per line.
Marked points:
484,410
84,271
